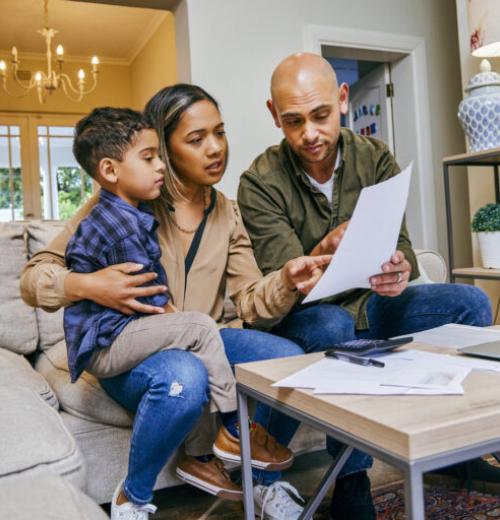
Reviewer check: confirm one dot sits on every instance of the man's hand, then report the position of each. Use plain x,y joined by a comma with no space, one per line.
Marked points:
331,241
304,272
115,287
394,277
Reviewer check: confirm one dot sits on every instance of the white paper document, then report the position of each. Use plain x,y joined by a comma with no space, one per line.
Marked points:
410,372
457,336
370,238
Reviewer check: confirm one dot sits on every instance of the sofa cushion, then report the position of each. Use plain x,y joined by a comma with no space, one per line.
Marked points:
18,325
50,324
50,498
34,438
85,398
15,369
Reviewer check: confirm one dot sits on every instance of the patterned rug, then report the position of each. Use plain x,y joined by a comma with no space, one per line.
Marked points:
441,504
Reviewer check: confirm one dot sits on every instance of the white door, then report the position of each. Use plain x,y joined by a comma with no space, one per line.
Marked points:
370,108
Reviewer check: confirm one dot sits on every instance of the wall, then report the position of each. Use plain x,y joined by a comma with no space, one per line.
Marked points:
245,41
113,89
480,180
155,65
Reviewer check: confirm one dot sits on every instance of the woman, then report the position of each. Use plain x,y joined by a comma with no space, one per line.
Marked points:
205,251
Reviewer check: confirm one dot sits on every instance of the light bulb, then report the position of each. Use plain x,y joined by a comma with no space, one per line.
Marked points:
94,60
81,74
14,53
59,51
38,77
3,66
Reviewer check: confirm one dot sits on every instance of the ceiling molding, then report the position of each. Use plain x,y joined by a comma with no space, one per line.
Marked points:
40,56
146,36
165,5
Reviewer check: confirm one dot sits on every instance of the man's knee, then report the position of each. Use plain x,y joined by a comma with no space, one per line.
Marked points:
476,304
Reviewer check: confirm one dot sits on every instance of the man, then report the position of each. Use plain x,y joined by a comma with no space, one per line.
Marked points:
297,198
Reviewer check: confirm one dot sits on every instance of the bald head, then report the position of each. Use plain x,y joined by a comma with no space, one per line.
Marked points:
300,73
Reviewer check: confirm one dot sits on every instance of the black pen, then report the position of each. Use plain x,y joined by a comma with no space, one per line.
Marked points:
358,360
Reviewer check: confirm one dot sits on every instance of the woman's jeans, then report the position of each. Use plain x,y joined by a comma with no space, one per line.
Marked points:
168,392
420,307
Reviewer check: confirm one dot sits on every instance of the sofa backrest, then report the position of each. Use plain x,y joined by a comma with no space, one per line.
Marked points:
18,323
22,328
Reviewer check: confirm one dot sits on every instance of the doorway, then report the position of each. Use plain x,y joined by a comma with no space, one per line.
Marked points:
370,99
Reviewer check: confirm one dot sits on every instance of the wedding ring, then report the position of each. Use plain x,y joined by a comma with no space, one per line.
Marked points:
400,277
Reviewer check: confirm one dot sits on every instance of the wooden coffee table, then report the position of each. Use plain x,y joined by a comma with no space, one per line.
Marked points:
414,433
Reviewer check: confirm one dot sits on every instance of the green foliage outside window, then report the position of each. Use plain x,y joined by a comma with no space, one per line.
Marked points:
74,187
6,195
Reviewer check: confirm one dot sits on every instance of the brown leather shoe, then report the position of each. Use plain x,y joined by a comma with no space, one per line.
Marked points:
265,451
209,476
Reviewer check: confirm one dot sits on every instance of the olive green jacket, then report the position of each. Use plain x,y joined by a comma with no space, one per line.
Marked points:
286,216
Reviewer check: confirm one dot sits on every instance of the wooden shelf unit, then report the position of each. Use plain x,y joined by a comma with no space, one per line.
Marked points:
489,158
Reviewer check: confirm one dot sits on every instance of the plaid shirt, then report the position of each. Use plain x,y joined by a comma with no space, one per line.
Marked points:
114,232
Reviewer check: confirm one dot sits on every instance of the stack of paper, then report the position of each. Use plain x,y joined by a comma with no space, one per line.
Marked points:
457,336
411,372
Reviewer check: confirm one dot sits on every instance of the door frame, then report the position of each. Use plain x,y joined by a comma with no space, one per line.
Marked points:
413,48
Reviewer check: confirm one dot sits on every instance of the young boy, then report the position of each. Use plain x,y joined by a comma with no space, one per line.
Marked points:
119,149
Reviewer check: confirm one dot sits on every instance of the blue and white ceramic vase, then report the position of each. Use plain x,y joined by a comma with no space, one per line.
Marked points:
479,113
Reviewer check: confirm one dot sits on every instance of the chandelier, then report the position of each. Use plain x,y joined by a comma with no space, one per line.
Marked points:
54,78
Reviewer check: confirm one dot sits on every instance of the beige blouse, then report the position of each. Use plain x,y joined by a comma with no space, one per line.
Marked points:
224,262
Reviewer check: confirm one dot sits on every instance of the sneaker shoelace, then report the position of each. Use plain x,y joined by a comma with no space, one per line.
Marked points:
279,490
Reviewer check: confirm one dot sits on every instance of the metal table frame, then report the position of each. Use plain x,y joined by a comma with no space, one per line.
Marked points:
413,469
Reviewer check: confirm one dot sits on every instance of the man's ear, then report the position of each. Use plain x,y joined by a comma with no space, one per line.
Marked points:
107,170
344,98
274,113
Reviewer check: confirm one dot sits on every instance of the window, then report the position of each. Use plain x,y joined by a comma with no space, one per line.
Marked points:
39,177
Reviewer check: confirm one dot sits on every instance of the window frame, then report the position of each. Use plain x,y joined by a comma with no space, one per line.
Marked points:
30,158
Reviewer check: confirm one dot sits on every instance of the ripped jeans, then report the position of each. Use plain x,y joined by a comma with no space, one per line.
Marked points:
168,392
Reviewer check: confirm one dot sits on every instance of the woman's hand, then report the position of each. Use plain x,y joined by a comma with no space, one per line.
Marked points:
116,287
303,273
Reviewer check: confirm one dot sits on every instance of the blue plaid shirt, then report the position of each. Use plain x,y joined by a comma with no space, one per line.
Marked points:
114,232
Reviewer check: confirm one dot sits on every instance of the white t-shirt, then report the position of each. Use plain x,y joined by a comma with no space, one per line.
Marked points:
326,188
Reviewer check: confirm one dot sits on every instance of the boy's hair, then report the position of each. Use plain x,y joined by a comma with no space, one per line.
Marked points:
106,132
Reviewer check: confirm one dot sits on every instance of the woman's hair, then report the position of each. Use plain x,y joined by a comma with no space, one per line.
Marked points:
164,111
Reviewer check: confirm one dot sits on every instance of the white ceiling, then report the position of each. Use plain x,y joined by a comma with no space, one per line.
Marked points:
114,33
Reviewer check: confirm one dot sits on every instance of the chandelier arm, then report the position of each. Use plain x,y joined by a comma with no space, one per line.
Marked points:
93,87
67,93
14,94
66,82
23,85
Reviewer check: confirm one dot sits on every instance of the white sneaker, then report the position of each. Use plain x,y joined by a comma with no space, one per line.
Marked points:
129,510
275,503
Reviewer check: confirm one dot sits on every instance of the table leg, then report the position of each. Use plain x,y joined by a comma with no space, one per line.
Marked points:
414,495
326,483
246,461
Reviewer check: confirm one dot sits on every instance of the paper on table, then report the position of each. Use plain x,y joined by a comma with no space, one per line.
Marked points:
456,336
374,227
421,357
371,388
406,371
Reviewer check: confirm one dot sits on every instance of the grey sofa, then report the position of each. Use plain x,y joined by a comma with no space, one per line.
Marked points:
85,433
47,423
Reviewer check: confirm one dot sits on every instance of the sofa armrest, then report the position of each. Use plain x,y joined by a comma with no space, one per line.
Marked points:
432,266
